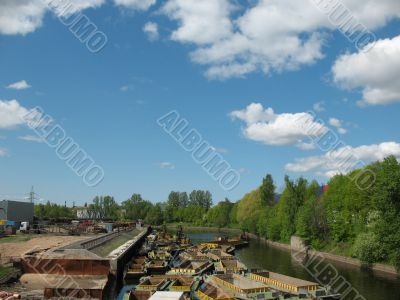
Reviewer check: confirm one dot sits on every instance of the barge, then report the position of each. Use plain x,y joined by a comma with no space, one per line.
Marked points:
210,271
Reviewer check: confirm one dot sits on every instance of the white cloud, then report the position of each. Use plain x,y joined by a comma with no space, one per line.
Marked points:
31,138
3,152
271,35
67,8
25,16
335,122
200,22
306,146
21,16
166,165
11,114
126,87
19,85
151,30
263,125
319,106
136,4
344,160
254,113
338,124
376,72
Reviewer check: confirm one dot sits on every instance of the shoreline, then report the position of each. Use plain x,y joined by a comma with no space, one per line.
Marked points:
348,261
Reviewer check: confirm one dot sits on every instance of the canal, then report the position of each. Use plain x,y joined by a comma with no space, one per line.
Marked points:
258,255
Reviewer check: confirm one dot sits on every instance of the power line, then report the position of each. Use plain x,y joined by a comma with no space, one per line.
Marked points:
32,196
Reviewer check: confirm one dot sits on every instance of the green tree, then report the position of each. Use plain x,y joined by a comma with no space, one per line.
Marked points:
136,208
267,191
155,215
183,199
53,211
174,199
386,197
200,198
219,215
250,203
368,248
311,221
291,201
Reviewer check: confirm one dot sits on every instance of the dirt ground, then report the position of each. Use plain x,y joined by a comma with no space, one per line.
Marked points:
16,249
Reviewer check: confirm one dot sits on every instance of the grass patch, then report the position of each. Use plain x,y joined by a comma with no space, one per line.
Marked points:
110,246
4,271
16,238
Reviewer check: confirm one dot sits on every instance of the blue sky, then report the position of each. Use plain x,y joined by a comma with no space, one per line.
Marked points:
221,65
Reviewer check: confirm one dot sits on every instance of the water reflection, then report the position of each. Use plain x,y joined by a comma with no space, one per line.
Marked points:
373,286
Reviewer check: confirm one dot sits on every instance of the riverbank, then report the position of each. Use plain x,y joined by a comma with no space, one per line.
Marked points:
381,268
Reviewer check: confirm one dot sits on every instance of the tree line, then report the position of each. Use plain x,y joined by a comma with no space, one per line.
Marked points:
347,220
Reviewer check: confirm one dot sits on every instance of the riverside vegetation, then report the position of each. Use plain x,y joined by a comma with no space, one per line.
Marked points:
345,220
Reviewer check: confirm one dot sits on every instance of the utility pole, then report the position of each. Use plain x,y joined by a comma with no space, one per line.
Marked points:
32,196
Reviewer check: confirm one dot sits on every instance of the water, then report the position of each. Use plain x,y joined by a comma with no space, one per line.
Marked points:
372,286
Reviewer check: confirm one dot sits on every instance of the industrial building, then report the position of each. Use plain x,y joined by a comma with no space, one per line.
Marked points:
16,211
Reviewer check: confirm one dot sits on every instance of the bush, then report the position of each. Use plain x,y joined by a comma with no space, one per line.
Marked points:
367,248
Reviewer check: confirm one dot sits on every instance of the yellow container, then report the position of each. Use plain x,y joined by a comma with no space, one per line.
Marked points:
3,222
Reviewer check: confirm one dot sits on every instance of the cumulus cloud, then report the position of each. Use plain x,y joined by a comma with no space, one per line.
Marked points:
375,72
136,4
338,124
31,138
3,152
151,30
271,35
254,113
264,125
126,87
200,22
166,165
21,16
306,146
25,16
67,8
319,106
19,85
11,114
335,122
344,159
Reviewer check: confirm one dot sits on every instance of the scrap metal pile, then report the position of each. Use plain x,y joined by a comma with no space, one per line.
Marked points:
9,296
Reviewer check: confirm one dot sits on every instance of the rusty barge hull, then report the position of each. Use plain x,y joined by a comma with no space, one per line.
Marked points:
74,271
